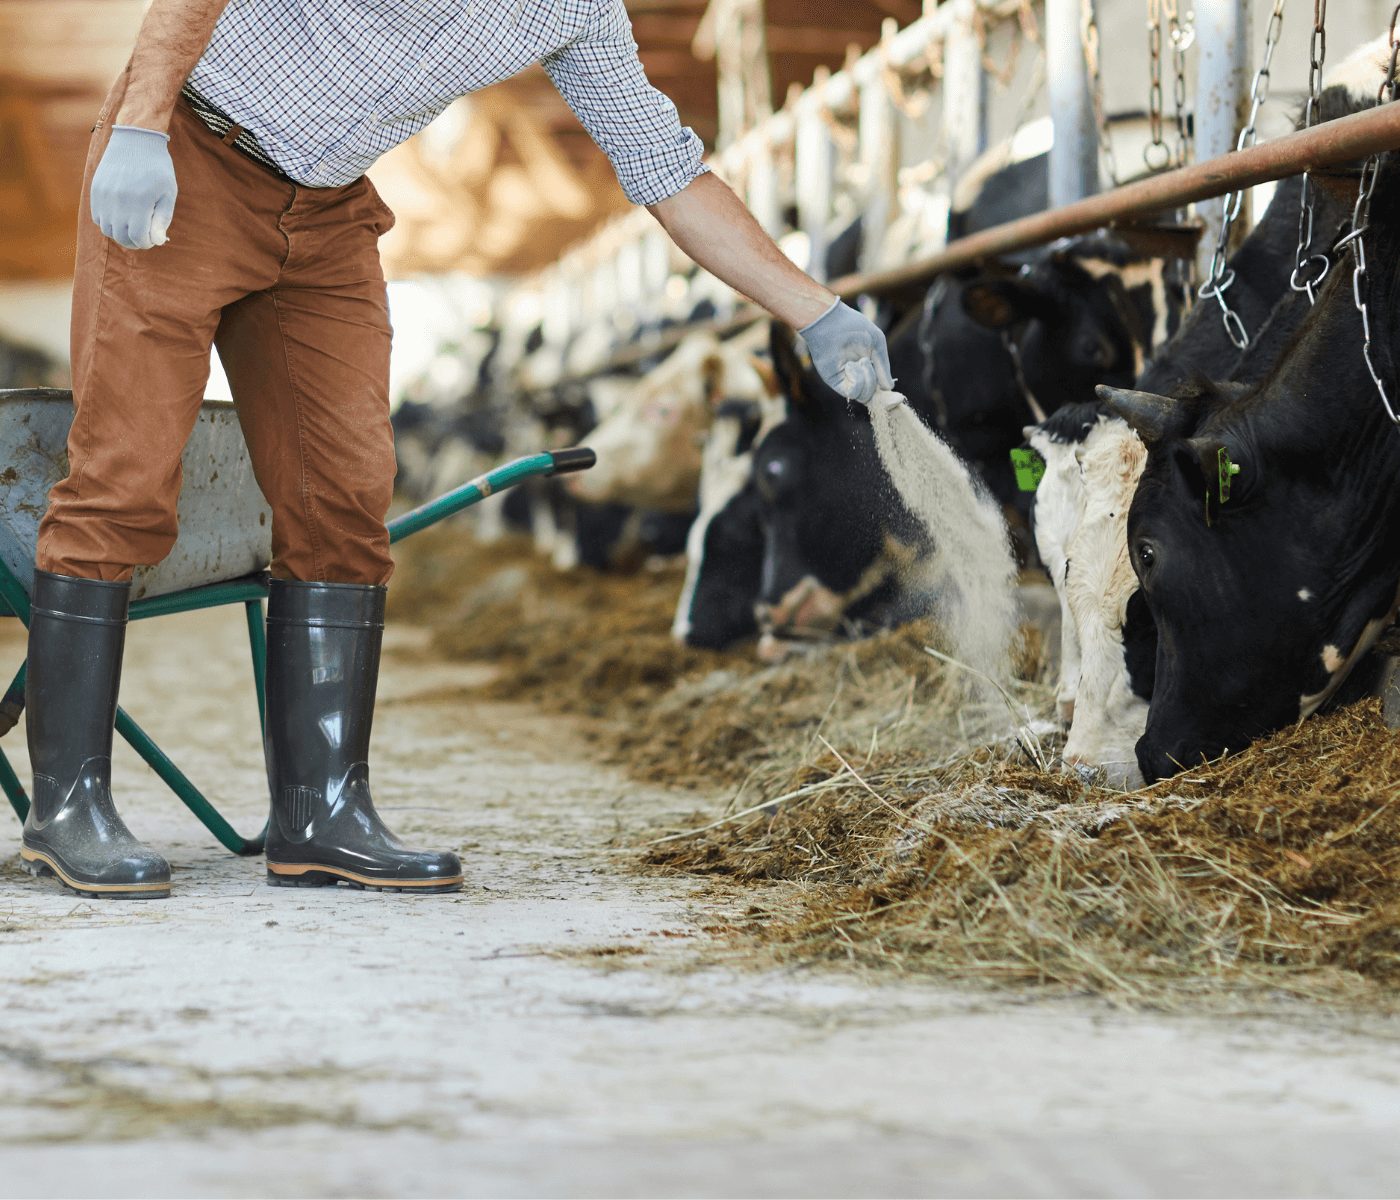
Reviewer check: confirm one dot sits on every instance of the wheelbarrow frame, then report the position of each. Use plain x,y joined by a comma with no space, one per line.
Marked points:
251,592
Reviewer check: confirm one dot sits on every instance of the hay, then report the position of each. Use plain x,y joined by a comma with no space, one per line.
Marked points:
1279,869
586,642
847,789
598,646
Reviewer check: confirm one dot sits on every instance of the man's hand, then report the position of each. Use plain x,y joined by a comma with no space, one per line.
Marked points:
133,189
849,353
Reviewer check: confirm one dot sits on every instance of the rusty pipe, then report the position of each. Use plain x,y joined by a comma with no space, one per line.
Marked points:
1332,144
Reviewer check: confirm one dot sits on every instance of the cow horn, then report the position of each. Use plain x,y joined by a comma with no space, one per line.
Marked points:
1153,418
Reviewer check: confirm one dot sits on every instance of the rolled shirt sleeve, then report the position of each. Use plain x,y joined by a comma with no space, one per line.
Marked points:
636,126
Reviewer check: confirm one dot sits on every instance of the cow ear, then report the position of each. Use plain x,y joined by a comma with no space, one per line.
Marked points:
1153,418
767,376
1219,473
1000,304
787,364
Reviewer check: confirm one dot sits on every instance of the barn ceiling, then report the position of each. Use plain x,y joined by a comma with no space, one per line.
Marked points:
498,188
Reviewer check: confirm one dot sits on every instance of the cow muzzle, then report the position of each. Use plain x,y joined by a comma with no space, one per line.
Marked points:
808,612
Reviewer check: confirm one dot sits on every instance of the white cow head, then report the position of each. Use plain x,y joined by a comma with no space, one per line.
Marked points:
650,445
1109,716
1058,502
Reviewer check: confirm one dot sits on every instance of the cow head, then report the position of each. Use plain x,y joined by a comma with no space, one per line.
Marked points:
649,445
724,549
1264,535
1116,637
836,539
1073,328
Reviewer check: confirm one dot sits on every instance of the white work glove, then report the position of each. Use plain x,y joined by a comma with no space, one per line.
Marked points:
133,188
849,353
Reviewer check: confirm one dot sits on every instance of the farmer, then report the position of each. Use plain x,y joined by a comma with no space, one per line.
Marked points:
242,129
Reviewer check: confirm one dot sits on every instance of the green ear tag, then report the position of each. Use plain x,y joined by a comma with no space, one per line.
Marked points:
1227,472
1029,468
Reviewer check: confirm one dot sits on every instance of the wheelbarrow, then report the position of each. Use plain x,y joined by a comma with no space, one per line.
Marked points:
220,557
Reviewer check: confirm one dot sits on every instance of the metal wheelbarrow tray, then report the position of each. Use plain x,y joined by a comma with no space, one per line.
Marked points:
220,557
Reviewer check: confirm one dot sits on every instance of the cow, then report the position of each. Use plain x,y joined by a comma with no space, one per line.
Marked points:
1094,461
974,392
650,444
838,542
1086,313
1265,533
724,549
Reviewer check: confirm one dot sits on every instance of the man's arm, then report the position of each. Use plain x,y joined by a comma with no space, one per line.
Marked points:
712,226
173,36
710,223
660,164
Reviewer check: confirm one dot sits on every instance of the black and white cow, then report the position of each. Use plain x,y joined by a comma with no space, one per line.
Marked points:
1265,531
1094,461
837,540
1001,349
821,574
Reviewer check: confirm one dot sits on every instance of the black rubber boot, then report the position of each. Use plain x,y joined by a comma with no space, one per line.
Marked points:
77,630
323,642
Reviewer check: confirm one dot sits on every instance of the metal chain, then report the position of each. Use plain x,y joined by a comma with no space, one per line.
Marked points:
1311,269
1360,225
1156,154
1182,35
1089,37
1219,278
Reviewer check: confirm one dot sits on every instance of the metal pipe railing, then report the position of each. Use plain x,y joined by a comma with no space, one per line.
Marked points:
1333,144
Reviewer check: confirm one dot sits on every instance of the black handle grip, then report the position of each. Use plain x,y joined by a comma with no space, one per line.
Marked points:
577,458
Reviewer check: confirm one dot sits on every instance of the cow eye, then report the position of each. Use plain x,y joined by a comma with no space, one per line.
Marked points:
1093,351
1146,555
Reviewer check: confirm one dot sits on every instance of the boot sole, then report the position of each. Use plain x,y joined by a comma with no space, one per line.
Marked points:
41,866
310,875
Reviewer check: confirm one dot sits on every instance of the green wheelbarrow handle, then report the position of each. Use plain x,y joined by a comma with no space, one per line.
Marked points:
556,462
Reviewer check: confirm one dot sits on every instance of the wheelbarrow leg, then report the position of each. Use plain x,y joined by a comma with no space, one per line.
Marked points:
11,705
179,783
14,790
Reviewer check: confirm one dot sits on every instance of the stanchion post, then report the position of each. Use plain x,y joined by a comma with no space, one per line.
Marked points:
1074,159
1223,74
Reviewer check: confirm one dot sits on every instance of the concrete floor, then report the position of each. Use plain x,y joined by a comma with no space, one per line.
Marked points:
242,1040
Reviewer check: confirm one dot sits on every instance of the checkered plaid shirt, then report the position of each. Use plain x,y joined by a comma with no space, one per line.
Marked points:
327,86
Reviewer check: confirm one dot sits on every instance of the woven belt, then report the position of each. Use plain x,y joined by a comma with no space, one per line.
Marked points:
230,132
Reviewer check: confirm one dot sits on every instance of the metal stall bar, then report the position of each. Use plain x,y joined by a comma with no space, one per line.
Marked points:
1074,157
1336,143
1222,97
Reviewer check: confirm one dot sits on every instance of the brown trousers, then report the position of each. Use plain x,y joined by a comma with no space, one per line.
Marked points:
285,280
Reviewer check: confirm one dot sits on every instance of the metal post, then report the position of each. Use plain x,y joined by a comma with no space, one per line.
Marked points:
816,170
964,92
1222,98
879,157
1074,159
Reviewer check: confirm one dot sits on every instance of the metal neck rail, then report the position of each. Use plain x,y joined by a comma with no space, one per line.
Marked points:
1345,140
1333,144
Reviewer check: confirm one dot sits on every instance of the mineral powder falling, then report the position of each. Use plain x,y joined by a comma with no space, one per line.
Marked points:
971,571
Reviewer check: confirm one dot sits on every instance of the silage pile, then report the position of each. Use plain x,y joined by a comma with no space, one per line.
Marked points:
1279,869
598,646
850,792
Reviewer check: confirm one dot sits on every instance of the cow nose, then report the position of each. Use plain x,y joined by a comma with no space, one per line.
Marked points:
1155,764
